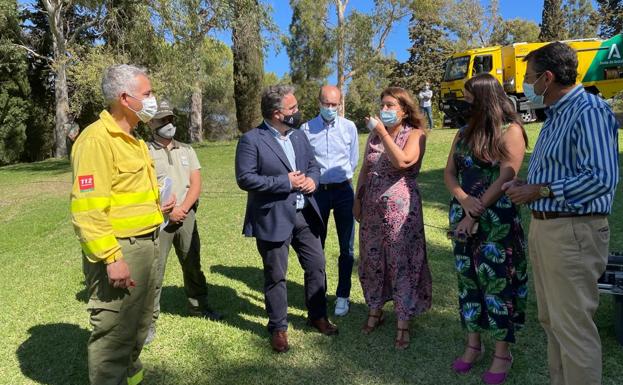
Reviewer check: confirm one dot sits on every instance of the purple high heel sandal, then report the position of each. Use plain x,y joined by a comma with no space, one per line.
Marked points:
462,367
498,378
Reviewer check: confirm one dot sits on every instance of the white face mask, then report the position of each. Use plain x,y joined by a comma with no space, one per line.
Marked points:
149,109
167,131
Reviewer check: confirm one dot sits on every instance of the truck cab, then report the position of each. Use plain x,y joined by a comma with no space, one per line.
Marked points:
600,70
458,69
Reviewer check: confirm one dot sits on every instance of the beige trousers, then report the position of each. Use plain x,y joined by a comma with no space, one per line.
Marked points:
568,256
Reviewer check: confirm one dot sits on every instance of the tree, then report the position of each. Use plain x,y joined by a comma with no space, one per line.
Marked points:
186,23
611,21
471,22
553,21
310,48
129,32
385,15
69,25
430,47
362,98
581,20
14,87
173,79
515,31
248,62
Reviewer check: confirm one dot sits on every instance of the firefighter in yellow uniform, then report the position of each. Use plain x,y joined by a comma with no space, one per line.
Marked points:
116,213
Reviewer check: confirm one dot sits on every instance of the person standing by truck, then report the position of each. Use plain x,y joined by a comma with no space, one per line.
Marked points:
426,104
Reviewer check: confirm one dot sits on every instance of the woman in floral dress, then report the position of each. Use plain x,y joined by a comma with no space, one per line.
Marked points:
393,264
489,244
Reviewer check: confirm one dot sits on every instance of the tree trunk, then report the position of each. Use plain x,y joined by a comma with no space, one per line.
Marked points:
341,6
195,128
59,68
61,96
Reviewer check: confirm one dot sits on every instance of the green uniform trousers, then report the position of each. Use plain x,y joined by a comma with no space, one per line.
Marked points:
121,317
185,238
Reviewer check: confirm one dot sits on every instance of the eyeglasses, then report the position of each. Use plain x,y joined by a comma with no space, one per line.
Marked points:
535,74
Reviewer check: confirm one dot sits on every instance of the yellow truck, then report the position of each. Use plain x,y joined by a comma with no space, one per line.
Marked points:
600,70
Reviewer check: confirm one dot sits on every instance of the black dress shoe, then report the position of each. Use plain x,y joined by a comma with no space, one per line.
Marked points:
204,312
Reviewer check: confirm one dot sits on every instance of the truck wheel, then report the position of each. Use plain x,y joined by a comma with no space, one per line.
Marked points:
528,116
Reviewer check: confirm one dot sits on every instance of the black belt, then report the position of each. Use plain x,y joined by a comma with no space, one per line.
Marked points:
153,235
333,186
562,214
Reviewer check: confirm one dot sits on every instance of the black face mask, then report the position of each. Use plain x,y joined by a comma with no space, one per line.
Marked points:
293,121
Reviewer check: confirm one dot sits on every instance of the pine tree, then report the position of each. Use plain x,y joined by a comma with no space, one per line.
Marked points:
248,63
14,87
553,22
429,50
310,49
580,19
611,21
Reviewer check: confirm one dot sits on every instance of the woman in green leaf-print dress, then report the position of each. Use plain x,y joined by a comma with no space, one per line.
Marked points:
488,243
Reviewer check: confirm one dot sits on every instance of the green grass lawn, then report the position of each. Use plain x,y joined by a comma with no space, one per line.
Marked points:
44,325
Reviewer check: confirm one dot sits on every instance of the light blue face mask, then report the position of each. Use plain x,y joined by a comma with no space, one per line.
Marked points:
389,118
328,113
528,90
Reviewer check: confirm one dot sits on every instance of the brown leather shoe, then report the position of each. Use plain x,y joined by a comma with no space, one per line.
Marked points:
279,341
323,326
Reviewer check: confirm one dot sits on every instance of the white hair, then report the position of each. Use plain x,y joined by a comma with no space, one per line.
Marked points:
119,78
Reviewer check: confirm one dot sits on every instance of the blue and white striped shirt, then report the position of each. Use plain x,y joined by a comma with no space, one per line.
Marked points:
577,153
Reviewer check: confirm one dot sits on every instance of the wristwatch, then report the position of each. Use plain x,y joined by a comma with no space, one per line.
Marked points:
545,191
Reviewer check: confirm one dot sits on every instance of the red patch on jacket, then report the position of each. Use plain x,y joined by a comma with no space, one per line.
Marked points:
86,182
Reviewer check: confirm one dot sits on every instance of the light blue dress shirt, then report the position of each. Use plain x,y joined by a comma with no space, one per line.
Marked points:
286,145
336,146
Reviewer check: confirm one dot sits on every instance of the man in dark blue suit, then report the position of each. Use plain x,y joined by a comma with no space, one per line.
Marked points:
275,164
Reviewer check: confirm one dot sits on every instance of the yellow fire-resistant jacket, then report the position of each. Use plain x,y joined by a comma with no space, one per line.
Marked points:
115,192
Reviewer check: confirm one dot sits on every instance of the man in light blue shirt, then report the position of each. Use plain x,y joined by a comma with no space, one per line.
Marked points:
336,146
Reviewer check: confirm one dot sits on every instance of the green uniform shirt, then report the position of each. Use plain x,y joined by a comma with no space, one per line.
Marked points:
176,163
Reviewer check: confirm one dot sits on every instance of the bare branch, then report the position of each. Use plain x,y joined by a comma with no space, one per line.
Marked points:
88,25
394,16
34,53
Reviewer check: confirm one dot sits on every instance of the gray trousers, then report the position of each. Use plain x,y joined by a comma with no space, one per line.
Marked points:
184,237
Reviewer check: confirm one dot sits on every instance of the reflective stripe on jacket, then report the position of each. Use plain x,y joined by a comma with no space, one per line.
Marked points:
115,192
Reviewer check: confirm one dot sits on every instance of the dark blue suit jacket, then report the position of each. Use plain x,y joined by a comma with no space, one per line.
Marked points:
262,169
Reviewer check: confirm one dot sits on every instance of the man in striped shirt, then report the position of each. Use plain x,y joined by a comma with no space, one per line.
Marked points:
572,175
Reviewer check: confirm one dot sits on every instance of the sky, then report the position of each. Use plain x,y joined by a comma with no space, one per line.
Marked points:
398,42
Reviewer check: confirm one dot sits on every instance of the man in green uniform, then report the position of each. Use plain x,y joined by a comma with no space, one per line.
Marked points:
178,162
115,210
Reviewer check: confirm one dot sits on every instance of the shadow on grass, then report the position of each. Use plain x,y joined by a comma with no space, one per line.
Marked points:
224,300
54,166
253,277
55,354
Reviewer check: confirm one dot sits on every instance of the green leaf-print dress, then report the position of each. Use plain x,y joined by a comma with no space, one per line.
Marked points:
491,266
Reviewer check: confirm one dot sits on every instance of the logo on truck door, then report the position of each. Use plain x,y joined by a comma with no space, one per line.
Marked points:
614,52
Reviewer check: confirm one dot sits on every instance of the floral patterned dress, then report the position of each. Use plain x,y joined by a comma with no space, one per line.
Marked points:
491,265
393,264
